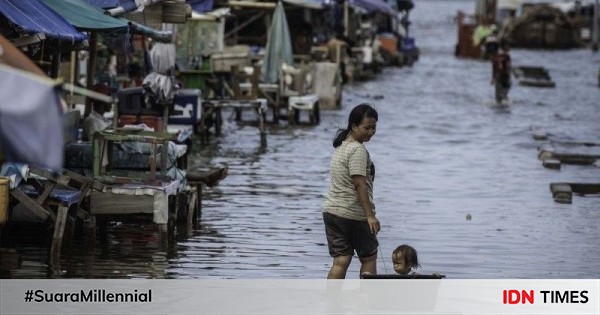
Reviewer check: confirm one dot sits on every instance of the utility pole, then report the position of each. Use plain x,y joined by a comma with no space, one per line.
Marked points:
595,28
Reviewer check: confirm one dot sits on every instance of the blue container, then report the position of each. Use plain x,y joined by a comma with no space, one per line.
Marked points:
186,108
408,44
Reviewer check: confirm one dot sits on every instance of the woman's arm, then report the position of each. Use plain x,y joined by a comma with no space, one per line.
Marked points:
360,184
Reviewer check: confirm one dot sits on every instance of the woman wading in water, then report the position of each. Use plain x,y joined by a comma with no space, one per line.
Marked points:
349,212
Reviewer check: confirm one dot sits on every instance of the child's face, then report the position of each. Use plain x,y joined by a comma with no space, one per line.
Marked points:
401,266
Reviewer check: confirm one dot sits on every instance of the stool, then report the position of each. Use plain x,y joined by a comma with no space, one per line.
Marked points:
309,103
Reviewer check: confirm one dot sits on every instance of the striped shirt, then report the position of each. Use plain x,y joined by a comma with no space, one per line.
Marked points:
350,158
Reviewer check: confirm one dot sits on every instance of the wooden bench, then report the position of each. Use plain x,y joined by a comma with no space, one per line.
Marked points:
51,195
149,191
244,95
296,84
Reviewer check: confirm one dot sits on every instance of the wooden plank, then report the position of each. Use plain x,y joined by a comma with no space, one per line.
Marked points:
585,188
28,40
567,158
580,159
551,164
44,195
110,203
36,208
59,231
533,76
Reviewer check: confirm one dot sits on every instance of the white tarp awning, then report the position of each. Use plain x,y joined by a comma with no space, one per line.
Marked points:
508,4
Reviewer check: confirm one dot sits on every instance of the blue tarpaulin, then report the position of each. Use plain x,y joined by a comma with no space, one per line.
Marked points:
33,16
128,5
375,5
201,6
106,4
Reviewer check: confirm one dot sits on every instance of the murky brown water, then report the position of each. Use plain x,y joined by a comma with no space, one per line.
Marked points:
443,150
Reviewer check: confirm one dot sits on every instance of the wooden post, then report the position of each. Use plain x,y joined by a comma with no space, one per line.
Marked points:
192,214
261,127
90,71
55,66
346,18
59,230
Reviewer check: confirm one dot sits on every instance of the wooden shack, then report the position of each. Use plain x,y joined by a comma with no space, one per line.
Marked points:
542,26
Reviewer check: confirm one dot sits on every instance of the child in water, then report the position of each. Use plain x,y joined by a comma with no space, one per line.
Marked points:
405,259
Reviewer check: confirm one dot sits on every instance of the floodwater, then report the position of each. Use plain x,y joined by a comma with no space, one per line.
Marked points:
443,150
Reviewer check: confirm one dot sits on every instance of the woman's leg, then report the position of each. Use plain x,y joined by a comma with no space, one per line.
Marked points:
369,264
339,267
498,91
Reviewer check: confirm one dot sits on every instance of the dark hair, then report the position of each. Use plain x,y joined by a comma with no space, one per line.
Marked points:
101,88
409,254
358,113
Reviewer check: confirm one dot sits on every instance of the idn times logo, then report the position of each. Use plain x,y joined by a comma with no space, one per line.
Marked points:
544,296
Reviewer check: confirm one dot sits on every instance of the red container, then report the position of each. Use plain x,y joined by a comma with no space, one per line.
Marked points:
155,122
389,43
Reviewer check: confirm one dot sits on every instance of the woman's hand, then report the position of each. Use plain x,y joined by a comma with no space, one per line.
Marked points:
373,224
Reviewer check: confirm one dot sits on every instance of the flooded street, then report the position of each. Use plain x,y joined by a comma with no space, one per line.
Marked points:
443,150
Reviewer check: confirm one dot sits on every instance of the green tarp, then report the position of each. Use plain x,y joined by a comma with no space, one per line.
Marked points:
87,17
279,46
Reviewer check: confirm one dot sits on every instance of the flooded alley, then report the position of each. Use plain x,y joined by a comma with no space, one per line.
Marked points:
443,150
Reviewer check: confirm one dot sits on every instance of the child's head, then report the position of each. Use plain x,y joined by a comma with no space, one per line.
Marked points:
405,259
100,106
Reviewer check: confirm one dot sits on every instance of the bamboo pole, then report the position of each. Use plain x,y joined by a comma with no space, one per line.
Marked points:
90,71
595,27
252,4
72,76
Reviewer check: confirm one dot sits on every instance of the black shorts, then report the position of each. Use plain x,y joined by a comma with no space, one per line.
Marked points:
344,236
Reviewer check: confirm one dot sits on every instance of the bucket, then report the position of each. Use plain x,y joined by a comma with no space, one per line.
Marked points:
4,185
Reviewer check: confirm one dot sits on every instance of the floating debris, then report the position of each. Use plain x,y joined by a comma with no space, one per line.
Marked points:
533,76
